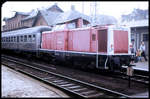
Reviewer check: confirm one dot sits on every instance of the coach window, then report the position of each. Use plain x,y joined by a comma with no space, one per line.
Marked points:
17,38
2,39
25,38
11,39
21,39
33,39
29,38
14,39
8,39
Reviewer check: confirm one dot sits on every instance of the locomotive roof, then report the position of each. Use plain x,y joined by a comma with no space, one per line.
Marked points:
28,30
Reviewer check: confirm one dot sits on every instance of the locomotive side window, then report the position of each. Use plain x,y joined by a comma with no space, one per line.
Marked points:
33,39
93,37
25,38
29,38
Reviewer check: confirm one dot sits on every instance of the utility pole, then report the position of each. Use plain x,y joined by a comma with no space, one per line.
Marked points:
83,7
93,11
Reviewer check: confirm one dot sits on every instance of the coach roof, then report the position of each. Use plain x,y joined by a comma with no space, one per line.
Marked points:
28,30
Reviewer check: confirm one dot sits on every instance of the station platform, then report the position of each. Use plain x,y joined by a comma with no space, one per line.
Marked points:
141,95
143,66
16,85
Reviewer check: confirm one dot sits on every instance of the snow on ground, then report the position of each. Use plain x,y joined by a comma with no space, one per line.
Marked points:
16,85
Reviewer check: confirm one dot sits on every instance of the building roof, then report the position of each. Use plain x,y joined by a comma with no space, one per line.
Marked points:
69,16
55,6
17,13
104,20
139,23
32,14
49,16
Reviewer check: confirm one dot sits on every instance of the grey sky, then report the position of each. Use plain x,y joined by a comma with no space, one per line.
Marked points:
115,9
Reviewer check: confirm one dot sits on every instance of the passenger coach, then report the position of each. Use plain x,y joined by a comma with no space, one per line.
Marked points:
24,40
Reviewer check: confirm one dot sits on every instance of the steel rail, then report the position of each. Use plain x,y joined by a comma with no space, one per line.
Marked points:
79,83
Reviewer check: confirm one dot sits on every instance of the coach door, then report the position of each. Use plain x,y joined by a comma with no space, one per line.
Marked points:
102,40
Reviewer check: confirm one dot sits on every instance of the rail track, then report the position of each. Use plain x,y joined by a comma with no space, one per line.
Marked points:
140,78
74,87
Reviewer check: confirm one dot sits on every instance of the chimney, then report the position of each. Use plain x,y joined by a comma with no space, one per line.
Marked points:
80,23
55,4
72,7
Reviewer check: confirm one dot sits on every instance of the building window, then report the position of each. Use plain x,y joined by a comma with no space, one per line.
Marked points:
93,37
145,37
41,23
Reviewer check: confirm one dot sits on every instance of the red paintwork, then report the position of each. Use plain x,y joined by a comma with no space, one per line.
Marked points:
81,40
120,41
55,40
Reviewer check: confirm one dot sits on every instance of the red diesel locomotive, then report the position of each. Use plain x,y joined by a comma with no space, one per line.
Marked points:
104,47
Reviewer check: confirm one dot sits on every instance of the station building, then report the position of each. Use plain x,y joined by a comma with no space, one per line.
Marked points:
50,16
139,32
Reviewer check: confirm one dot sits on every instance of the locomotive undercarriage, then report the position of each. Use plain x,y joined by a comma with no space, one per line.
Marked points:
107,62
81,60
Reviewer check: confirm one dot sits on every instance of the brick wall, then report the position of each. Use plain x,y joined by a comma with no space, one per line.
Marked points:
14,22
40,21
